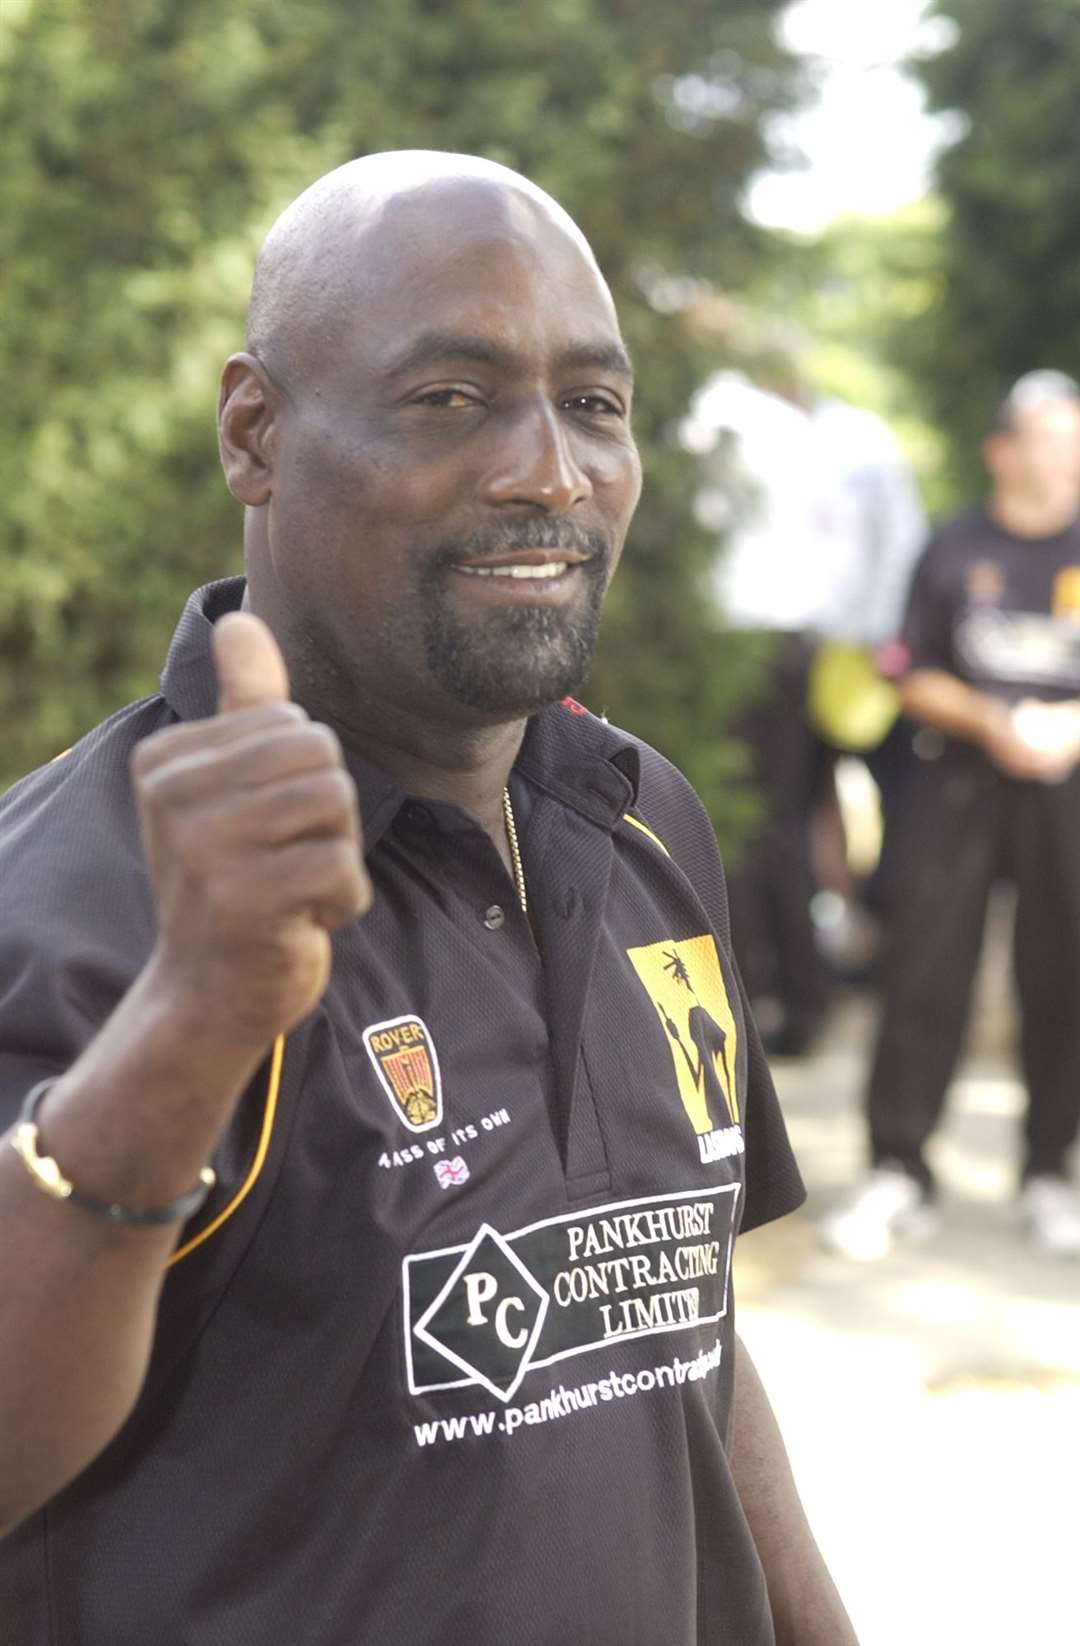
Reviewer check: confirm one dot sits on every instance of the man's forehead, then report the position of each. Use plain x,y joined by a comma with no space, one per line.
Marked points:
484,277
393,249
435,231
431,346
1049,417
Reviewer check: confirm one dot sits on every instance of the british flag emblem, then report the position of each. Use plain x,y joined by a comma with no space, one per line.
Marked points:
451,1172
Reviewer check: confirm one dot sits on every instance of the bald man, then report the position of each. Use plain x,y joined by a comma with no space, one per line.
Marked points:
366,1252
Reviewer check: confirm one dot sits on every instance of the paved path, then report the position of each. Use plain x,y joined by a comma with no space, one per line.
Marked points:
930,1402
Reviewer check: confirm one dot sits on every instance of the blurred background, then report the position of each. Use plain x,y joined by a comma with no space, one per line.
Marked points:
834,209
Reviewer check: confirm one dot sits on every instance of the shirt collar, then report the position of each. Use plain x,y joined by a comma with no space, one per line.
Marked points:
567,752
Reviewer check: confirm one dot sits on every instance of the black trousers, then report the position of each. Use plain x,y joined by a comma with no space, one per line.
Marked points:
771,885
965,827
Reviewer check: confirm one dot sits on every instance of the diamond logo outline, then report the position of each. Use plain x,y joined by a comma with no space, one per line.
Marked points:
474,1374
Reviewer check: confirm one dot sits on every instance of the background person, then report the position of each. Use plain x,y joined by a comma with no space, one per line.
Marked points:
820,523
993,641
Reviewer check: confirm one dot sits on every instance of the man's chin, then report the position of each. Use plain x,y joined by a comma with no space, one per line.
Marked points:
512,674
514,698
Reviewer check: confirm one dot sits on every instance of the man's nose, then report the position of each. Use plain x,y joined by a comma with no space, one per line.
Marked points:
536,462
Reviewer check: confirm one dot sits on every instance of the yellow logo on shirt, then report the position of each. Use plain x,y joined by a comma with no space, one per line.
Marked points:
1067,593
685,984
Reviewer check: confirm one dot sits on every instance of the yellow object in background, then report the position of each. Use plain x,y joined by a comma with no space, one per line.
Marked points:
848,703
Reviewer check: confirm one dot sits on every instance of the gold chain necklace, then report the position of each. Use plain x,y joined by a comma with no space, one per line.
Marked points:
515,852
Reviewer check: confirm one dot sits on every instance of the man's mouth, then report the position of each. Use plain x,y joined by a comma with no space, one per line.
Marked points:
531,563
520,569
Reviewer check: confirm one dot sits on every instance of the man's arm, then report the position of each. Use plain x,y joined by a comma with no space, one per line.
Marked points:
940,699
251,837
807,1610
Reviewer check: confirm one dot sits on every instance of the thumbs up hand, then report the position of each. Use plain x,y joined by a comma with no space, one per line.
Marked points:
251,833
250,668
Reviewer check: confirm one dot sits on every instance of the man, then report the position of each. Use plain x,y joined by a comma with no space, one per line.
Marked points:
818,553
771,578
993,639
447,1355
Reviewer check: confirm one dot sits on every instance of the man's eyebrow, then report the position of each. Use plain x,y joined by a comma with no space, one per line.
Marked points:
432,347
610,357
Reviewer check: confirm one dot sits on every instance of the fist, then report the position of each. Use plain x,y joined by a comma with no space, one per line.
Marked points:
251,833
1020,747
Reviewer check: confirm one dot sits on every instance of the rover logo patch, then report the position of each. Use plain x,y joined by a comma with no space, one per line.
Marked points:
403,1055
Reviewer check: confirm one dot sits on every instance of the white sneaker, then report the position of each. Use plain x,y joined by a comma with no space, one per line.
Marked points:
1051,1215
886,1207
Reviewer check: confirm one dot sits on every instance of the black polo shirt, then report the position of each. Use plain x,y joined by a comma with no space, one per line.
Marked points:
1002,612
448,1355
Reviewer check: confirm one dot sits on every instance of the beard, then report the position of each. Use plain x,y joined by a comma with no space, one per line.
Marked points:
517,660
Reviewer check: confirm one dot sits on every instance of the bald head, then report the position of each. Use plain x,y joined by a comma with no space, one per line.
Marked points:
349,233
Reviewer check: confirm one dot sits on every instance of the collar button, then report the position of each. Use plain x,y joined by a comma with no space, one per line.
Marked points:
494,918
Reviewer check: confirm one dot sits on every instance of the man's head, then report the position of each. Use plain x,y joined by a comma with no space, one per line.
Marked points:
430,430
1033,451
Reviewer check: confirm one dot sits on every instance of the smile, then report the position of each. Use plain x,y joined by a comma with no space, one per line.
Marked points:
548,568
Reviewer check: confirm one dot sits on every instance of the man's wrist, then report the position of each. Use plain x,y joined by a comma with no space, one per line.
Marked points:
137,1117
200,1014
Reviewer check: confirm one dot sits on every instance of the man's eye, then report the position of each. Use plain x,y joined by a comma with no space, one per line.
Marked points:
453,398
594,403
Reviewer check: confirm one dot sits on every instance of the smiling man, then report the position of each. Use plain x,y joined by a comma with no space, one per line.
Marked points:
367,1231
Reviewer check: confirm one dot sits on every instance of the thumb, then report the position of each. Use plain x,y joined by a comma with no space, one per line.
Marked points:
250,668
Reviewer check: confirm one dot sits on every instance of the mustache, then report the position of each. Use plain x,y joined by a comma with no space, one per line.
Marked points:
499,538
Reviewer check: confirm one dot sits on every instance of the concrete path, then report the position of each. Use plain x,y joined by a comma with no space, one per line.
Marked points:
930,1402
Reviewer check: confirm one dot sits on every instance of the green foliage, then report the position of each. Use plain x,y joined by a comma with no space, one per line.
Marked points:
1008,297
149,144
856,294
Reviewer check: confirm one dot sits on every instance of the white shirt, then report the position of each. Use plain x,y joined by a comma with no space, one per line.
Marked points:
819,512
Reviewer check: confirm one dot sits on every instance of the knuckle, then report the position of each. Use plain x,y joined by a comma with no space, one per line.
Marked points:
154,784
263,717
331,863
140,759
340,788
151,751
324,739
338,876
172,783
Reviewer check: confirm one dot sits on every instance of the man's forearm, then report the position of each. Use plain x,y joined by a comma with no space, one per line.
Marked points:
939,699
133,1121
807,1610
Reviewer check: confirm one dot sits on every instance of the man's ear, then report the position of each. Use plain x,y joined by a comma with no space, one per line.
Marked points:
246,429
996,450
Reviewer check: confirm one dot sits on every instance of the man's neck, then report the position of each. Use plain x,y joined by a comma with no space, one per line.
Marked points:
1025,516
467,768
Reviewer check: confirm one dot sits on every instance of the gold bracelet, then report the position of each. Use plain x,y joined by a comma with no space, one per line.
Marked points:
51,1180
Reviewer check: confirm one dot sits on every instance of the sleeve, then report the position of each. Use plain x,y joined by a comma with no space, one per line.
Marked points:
774,1184
76,921
927,628
897,531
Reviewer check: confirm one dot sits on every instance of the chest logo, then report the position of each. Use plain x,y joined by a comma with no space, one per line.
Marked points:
402,1053
1067,593
685,984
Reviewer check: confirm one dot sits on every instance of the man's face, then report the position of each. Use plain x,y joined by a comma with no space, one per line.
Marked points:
1040,457
454,474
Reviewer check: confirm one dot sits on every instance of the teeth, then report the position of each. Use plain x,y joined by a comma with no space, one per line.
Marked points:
550,568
